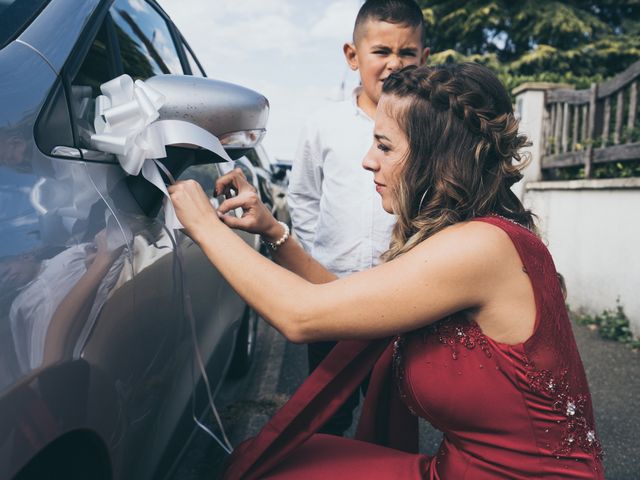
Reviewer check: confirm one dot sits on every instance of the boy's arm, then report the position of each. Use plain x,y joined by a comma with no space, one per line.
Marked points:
305,187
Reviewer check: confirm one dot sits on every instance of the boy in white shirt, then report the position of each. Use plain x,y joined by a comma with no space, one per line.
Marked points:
336,213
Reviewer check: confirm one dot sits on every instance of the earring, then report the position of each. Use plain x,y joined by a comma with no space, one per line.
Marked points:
422,199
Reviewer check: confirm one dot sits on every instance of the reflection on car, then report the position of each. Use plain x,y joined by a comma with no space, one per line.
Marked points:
97,360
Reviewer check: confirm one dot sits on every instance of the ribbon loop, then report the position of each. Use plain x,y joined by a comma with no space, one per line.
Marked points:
126,124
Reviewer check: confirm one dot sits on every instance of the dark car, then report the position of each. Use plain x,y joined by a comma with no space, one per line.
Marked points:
273,180
105,313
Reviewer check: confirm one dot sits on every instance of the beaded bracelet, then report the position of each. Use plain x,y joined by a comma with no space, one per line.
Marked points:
275,245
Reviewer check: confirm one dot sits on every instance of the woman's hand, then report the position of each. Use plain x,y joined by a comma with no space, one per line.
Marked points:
256,217
193,208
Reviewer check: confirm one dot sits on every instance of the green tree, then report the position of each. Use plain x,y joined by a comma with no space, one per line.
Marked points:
576,42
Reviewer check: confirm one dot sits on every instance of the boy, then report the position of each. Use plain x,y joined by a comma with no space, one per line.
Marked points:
335,210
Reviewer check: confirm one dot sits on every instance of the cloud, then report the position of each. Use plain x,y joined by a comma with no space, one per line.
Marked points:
248,8
337,20
238,29
288,50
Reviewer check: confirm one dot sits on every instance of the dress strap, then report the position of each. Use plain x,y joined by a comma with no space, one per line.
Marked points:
538,264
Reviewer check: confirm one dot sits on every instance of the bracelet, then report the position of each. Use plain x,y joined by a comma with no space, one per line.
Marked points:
275,245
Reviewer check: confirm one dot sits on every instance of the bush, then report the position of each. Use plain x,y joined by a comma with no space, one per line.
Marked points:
611,325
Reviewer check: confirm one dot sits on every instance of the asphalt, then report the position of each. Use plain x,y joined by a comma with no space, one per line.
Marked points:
613,371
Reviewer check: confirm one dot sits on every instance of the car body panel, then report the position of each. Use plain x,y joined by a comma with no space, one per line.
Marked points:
69,18
45,390
95,333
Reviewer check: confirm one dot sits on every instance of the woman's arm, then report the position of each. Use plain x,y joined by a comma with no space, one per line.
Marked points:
452,271
257,218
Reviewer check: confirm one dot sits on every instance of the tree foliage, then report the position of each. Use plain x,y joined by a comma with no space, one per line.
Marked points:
576,42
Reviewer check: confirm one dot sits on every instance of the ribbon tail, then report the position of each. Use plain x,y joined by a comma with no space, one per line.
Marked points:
152,174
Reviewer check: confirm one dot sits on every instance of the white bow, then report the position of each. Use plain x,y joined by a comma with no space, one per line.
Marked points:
125,124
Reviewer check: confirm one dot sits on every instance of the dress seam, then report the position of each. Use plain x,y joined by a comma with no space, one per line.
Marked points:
453,441
526,408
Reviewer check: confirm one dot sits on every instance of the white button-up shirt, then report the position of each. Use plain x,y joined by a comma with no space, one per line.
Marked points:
336,212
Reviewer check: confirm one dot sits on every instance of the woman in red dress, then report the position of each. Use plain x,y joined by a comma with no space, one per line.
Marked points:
464,324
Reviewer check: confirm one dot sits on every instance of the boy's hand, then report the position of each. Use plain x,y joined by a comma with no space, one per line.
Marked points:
256,217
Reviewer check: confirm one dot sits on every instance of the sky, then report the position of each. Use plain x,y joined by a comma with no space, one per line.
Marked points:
288,50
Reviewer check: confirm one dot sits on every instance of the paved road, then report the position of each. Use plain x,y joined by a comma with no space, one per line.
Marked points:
613,371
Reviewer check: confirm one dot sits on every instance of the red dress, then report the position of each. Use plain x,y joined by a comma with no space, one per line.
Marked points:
506,411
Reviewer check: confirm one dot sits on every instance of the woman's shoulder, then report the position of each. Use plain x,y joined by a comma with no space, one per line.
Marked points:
472,250
471,237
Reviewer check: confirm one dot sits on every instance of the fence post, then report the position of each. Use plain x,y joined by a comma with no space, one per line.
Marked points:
593,97
531,111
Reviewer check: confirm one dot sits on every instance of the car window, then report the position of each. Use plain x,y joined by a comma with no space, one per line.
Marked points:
146,45
252,155
245,165
195,68
85,87
258,158
205,175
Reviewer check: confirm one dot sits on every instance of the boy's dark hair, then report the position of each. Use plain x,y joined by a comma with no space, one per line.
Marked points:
403,12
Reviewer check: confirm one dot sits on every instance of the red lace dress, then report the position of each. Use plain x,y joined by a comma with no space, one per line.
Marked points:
507,411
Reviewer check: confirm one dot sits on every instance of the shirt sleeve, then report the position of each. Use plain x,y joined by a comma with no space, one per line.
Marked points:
305,186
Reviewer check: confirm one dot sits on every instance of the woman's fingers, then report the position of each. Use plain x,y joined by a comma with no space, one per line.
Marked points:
191,204
234,180
245,200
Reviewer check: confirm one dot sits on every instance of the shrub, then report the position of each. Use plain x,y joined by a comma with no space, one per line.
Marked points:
611,325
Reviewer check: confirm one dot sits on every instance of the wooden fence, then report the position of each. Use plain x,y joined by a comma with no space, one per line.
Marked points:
597,125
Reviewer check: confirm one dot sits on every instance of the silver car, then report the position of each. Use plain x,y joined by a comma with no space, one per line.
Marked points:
103,310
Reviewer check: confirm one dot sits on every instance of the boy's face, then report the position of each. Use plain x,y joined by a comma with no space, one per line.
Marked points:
381,49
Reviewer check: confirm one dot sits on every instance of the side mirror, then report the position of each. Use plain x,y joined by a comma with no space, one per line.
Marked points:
236,115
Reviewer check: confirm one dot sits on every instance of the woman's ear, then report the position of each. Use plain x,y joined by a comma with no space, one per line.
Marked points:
351,54
425,55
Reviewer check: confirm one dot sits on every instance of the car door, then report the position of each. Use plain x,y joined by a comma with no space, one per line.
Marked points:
141,348
176,290
67,268
216,308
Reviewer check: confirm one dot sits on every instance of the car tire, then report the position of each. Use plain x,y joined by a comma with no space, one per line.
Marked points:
245,347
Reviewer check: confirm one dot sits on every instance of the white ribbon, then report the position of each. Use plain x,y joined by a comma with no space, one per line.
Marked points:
126,125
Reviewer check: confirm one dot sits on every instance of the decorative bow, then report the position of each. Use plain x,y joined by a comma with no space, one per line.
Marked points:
126,125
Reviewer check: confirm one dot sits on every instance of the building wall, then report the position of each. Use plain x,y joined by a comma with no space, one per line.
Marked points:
592,228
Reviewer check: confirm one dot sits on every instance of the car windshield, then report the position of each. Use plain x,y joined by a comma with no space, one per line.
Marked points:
15,15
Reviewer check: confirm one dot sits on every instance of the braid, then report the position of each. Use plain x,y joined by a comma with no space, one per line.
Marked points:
445,92
465,150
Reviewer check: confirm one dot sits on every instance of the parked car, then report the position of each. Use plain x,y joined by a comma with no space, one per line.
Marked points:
273,182
97,358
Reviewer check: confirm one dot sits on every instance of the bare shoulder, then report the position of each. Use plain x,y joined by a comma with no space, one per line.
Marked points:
473,241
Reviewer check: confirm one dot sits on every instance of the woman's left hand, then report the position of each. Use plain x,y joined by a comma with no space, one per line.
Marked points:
193,208
256,217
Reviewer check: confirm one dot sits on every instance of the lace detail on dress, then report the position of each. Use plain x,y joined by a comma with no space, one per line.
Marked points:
461,332
577,430
398,370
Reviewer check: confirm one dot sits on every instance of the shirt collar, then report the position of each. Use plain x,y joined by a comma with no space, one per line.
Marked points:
354,101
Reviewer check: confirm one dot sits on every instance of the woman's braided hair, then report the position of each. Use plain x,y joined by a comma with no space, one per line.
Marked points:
464,150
